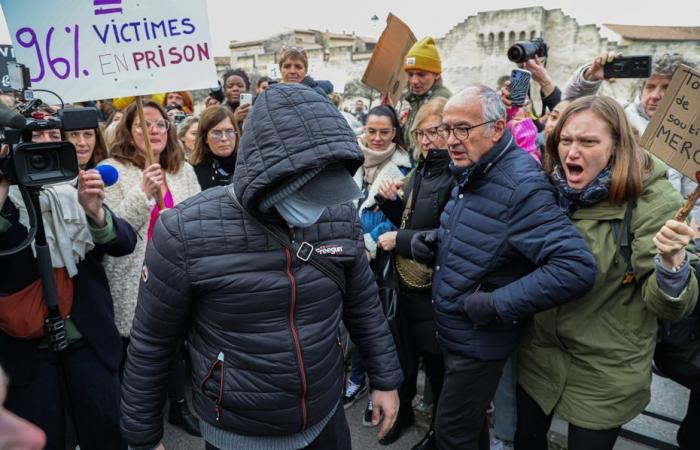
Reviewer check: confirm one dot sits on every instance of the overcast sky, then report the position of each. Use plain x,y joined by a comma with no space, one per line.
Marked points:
255,19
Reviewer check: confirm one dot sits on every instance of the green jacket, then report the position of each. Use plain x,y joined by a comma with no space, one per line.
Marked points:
416,102
590,360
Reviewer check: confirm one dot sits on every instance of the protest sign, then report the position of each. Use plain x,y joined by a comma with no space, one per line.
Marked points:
385,69
673,134
112,48
7,54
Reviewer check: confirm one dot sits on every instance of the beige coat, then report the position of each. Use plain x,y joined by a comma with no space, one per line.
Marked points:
128,202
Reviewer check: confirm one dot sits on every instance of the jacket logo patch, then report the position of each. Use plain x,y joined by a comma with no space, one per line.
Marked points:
144,273
329,250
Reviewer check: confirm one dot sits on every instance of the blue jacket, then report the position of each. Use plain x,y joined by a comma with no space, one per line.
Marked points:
502,232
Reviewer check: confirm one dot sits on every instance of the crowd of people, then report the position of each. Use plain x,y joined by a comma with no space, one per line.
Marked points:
528,264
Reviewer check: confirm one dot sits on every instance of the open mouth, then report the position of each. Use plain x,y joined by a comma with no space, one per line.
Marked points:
574,169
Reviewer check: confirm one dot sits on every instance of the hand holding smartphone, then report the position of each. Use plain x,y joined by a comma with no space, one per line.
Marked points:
628,67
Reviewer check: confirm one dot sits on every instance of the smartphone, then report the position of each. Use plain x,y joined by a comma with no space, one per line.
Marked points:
519,86
628,67
246,99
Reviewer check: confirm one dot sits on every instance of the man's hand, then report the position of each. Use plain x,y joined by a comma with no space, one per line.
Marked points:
423,247
386,402
671,241
387,241
91,194
595,71
479,308
539,74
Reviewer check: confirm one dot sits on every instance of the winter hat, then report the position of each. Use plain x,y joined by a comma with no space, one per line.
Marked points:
423,56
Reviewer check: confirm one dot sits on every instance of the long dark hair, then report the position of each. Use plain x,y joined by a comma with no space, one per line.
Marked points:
390,112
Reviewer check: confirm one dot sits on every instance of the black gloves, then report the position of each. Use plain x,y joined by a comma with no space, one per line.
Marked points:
423,247
480,309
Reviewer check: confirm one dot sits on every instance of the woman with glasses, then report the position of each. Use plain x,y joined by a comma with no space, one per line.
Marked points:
385,159
133,198
214,155
426,190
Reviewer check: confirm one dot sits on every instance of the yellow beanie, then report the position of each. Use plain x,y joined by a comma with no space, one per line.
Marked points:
423,56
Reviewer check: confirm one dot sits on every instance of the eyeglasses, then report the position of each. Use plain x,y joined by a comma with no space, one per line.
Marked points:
218,135
161,125
461,132
430,133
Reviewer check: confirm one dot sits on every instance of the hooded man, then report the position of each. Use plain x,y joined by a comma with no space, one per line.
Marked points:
260,318
423,66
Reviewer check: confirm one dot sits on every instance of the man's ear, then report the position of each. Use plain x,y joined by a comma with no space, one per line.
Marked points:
499,127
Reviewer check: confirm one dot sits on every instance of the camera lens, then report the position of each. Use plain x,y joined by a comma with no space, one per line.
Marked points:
516,53
38,162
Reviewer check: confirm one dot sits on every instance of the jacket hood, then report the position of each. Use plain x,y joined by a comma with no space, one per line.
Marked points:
290,129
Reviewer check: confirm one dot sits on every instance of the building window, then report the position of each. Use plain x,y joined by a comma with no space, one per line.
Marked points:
511,38
523,36
533,34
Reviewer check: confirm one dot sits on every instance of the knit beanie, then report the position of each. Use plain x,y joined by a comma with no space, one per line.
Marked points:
423,56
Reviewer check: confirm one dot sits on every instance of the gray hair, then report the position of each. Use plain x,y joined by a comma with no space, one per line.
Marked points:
492,107
185,125
665,64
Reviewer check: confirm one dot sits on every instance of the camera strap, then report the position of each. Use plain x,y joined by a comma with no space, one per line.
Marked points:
303,251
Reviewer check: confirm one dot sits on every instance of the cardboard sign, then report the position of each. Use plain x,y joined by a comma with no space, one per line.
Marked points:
673,134
385,69
87,50
7,54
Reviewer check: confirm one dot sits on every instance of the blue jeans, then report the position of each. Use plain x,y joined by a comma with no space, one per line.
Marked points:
77,381
357,368
505,412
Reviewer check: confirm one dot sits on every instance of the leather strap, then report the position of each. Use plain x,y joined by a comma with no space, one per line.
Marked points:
303,251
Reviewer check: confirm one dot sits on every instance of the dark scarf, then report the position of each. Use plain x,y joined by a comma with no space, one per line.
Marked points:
570,199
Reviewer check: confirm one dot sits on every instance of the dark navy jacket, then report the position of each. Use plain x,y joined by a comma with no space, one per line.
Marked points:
503,232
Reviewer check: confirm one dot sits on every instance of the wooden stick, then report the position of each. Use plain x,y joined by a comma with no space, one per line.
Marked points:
149,150
682,213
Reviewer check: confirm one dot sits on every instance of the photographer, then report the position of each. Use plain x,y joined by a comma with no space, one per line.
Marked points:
81,379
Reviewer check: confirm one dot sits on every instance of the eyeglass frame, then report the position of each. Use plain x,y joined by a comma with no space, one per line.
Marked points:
425,133
235,134
149,124
451,130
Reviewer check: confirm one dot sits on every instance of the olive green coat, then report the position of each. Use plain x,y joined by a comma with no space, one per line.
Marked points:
590,360
438,90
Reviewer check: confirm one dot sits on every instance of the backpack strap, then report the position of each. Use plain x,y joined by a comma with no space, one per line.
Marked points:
303,251
626,238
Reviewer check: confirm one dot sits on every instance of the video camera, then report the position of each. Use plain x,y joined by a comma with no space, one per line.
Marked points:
524,50
36,164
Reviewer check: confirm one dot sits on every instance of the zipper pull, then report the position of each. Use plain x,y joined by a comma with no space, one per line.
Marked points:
220,357
217,412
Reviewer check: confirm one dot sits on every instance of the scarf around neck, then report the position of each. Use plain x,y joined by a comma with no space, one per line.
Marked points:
570,199
375,160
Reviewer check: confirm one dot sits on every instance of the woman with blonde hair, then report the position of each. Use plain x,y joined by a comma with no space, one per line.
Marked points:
590,360
413,205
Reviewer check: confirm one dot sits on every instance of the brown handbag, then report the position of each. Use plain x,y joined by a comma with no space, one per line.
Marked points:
413,274
22,313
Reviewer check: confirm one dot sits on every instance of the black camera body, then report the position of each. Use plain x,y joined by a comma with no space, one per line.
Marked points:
36,164
525,50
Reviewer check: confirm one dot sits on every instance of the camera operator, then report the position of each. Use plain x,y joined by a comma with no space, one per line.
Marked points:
81,379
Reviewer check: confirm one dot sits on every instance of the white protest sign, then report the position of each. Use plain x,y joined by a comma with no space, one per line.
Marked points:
88,50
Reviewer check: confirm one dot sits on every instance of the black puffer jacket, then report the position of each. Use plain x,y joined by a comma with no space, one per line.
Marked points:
262,325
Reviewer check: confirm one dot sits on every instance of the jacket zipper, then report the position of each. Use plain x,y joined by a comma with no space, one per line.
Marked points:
295,336
219,360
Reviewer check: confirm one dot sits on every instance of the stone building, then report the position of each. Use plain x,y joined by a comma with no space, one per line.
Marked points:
474,50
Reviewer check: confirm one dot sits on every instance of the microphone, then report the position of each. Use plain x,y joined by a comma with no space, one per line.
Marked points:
109,174
9,118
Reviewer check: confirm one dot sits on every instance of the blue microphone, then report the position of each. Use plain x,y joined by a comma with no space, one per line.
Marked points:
109,174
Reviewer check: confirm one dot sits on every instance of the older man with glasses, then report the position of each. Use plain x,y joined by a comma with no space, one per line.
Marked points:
504,251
